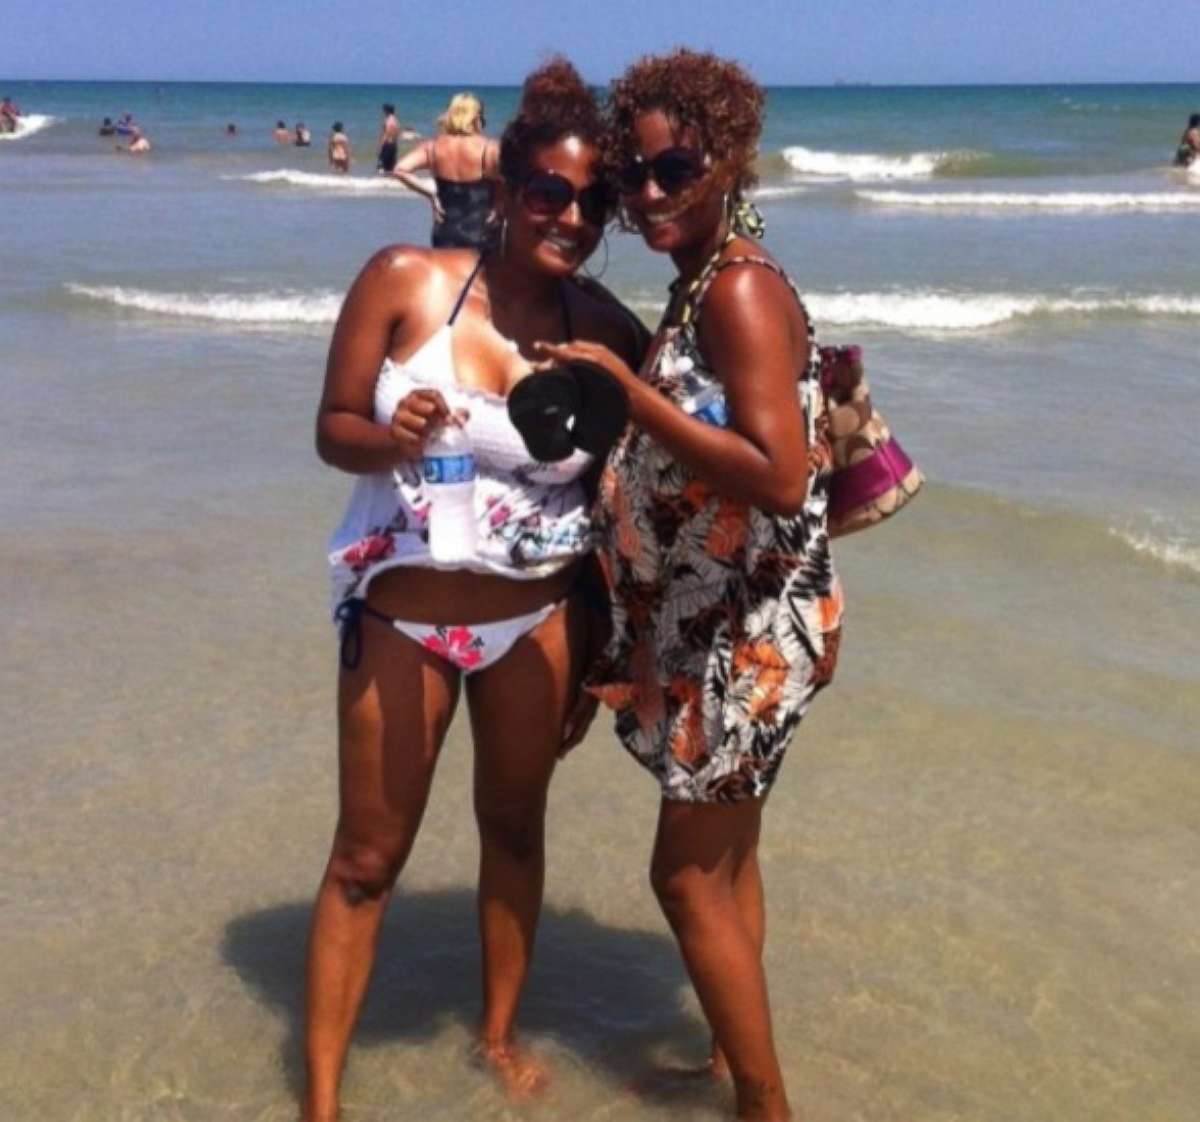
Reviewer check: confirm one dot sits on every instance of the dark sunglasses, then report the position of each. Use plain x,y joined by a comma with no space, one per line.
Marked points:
673,169
546,194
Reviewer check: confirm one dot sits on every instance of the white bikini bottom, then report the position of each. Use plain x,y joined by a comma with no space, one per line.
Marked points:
468,646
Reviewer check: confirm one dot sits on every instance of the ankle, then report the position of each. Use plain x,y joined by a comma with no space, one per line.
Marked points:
761,1100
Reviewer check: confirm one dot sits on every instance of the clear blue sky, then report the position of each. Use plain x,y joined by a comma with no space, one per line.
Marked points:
799,42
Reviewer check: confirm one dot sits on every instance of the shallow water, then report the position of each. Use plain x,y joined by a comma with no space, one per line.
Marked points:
980,856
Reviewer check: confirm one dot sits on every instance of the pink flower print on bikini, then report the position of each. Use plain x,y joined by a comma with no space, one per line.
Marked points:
456,644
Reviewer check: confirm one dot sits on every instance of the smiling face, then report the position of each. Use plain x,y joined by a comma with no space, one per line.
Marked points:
672,223
552,240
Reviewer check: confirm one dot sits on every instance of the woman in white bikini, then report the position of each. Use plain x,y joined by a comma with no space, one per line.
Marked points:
426,338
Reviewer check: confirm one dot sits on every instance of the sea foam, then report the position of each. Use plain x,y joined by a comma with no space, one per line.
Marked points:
248,308
1047,200
1172,551
916,310
350,184
941,311
873,165
29,124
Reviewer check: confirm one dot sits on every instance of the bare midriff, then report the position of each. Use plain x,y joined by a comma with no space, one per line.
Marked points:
434,596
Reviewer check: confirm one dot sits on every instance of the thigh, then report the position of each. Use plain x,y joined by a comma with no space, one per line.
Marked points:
519,705
393,712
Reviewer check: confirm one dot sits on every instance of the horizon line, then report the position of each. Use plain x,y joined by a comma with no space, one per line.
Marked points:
837,83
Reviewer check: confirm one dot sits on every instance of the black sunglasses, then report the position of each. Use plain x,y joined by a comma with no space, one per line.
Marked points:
546,194
673,169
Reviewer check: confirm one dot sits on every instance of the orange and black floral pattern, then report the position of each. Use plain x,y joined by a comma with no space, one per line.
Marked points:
726,619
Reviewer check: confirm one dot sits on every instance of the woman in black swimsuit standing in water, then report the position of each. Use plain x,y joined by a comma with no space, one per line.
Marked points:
464,164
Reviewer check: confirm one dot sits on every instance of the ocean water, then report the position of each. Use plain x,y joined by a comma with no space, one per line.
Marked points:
981,856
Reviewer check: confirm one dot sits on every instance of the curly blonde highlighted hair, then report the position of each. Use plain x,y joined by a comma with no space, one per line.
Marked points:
695,90
463,116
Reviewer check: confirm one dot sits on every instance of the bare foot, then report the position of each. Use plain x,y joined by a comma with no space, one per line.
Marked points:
522,1075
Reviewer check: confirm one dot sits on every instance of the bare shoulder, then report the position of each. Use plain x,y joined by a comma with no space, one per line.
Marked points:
600,315
412,268
747,294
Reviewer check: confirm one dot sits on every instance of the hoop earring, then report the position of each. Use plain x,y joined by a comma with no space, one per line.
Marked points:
603,268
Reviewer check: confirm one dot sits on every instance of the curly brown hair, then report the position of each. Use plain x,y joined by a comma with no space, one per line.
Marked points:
694,89
555,103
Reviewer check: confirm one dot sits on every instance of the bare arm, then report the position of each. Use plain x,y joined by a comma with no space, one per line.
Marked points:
348,436
419,159
491,159
750,333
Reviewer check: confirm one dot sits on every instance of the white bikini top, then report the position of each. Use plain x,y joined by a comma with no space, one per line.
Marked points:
532,518
497,445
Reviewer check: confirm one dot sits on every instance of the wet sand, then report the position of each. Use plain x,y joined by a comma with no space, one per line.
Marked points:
979,860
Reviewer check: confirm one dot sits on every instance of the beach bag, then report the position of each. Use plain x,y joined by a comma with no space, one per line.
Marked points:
872,476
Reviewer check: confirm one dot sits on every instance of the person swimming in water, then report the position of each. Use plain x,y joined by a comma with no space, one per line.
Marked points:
107,128
281,133
10,114
1189,143
303,136
389,134
139,144
338,150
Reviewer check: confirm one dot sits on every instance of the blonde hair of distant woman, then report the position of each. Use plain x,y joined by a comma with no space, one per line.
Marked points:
463,116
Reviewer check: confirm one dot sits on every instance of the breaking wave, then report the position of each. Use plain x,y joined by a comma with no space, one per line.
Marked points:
937,311
29,124
1048,200
248,308
348,184
866,166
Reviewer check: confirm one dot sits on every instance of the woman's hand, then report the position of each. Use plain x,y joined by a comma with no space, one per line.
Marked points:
439,212
557,354
416,417
578,721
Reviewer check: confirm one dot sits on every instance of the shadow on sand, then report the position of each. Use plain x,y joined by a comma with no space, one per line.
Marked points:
611,996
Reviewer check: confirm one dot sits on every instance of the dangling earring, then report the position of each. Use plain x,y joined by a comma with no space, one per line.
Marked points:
596,276
747,220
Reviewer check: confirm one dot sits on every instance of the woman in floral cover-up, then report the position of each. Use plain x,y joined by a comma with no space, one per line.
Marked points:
712,508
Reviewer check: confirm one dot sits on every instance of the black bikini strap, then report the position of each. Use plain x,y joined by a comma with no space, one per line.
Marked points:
349,615
465,289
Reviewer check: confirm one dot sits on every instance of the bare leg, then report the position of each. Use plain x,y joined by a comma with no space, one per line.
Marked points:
748,893
697,852
517,711
393,711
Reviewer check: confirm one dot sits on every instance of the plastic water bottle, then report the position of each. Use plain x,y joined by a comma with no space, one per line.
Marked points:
708,406
448,466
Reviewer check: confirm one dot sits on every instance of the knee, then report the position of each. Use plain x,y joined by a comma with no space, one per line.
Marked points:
365,868
518,830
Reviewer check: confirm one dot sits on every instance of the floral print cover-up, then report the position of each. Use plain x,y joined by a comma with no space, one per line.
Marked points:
726,619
